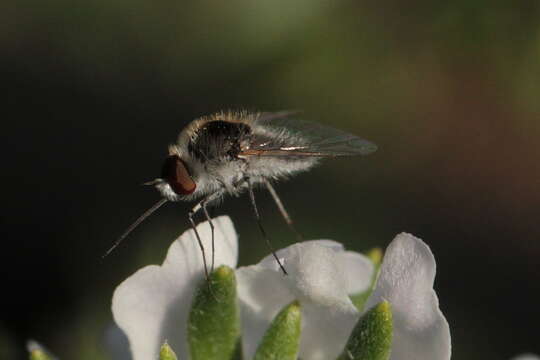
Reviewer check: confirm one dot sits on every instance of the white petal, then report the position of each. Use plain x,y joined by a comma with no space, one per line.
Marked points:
269,261
358,271
262,293
317,274
316,277
325,330
152,305
406,280
526,357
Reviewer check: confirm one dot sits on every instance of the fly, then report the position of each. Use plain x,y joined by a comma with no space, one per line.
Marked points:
229,152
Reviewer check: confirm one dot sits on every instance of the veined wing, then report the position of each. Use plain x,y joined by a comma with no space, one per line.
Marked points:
281,135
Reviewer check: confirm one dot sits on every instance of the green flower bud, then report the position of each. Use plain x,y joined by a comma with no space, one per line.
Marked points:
38,352
282,339
214,325
371,338
166,352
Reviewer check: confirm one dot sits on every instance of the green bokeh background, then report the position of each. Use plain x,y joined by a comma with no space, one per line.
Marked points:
95,90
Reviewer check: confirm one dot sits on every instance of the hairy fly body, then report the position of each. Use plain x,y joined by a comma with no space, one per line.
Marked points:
229,152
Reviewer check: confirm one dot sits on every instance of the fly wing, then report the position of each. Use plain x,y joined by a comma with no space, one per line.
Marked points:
282,135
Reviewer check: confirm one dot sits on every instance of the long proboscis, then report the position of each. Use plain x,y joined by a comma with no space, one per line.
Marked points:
136,223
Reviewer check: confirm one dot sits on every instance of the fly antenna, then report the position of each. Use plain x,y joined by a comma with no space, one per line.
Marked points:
136,223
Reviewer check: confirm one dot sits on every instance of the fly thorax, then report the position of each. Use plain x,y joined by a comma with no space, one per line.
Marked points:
219,140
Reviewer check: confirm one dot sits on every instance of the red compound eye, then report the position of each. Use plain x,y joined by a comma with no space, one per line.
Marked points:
174,171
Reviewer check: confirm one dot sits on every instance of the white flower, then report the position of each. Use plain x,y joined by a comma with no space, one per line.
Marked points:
322,275
153,304
420,330
526,357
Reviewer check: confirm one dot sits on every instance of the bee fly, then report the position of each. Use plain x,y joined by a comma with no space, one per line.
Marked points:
230,152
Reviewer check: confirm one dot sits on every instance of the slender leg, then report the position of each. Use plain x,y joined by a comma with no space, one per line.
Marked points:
202,205
190,217
282,210
258,217
212,229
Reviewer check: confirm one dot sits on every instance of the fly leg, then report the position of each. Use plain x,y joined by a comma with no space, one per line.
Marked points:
258,217
282,209
205,210
202,205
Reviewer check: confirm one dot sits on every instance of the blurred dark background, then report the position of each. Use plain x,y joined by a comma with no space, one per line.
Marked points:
94,91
